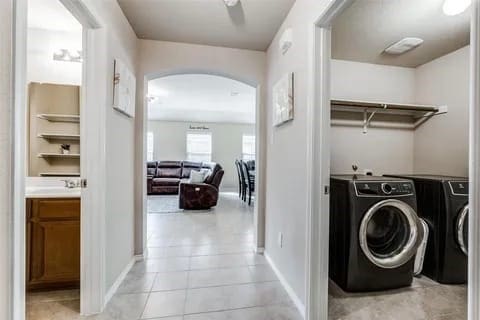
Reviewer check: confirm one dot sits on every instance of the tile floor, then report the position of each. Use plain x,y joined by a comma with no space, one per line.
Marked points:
424,300
200,266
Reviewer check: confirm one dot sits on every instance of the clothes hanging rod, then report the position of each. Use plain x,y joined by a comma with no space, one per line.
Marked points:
361,105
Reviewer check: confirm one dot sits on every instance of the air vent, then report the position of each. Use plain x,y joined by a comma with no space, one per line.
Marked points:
403,46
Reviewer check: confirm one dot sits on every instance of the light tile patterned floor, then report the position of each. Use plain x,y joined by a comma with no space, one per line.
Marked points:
200,266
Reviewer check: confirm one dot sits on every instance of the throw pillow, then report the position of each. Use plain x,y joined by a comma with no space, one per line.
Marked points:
197,176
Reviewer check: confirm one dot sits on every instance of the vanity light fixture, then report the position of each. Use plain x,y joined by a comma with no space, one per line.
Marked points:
67,55
231,3
454,7
403,46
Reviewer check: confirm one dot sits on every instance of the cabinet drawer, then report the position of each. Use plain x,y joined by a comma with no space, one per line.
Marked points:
55,209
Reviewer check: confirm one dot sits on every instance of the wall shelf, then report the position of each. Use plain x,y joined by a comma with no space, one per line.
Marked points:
58,136
59,155
59,174
402,116
59,117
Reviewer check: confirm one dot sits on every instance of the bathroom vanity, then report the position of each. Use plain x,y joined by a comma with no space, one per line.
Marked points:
52,237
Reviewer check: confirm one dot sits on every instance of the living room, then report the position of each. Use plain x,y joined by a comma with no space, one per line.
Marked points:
199,127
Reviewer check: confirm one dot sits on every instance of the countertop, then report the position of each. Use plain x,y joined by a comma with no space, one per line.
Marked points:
43,187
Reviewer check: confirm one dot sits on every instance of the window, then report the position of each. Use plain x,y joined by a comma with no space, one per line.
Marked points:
149,146
248,147
199,147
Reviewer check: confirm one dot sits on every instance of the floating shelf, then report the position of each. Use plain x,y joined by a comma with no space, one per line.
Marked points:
58,136
60,174
409,116
59,155
59,117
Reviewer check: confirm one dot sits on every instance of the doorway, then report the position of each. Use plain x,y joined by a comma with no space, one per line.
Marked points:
54,41
321,137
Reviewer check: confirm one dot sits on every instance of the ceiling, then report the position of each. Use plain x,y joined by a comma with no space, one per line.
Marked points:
51,15
251,24
369,26
201,98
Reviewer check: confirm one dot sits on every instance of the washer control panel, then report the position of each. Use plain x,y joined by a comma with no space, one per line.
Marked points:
459,187
383,188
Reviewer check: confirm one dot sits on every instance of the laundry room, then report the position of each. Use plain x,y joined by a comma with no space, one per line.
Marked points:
399,140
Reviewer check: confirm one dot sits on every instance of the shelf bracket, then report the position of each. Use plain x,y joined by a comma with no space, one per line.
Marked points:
367,119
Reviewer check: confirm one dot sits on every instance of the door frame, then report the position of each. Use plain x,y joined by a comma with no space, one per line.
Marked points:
260,155
93,146
318,164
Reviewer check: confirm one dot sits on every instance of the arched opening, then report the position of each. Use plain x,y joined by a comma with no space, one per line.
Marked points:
198,107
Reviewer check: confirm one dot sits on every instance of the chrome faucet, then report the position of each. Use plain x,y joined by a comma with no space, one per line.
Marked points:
69,183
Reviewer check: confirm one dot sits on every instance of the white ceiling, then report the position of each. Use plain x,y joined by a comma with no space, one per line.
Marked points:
369,26
201,98
51,15
251,24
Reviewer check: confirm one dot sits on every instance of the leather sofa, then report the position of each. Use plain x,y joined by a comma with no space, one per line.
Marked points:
172,177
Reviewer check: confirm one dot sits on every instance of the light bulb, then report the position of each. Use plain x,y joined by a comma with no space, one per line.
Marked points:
454,7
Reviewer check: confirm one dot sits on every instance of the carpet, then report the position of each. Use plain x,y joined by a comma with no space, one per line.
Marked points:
163,204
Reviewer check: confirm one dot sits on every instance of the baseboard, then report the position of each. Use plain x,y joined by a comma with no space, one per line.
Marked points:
259,250
141,257
296,300
119,280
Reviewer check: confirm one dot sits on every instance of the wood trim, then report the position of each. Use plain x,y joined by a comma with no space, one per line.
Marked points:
474,197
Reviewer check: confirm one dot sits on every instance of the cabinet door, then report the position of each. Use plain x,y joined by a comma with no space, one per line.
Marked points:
55,243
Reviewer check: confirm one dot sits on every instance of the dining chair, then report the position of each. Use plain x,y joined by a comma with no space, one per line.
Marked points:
240,181
249,182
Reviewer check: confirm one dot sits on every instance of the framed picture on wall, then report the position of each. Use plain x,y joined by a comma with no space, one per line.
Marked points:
283,99
124,89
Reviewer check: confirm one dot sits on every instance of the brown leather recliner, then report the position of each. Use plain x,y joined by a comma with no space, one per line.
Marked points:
201,196
151,172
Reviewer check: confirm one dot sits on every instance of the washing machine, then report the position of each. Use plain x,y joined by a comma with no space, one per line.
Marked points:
374,232
443,202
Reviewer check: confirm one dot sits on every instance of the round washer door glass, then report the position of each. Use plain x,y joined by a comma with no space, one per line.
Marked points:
390,233
462,230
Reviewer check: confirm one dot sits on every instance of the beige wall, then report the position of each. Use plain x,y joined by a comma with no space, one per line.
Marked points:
6,14
119,171
441,144
381,150
157,58
287,181
170,143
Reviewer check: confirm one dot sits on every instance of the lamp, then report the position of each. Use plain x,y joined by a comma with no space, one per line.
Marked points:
231,3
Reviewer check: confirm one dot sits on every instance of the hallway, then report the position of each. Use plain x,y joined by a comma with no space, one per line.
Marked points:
200,266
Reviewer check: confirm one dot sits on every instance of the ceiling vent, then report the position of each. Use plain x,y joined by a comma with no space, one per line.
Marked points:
404,45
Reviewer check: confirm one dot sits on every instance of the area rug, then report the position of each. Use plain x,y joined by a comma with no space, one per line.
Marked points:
163,204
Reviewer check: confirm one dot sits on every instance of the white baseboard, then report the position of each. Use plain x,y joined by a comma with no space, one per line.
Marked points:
259,250
296,300
119,280
141,257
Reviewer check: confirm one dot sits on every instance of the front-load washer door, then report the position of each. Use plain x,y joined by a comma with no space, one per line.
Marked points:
390,233
462,230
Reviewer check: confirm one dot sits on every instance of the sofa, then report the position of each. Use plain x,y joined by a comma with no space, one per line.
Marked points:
172,177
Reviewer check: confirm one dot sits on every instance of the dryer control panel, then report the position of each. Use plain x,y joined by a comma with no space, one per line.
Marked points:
383,188
459,187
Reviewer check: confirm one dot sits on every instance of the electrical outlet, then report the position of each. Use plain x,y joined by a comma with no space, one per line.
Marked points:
280,240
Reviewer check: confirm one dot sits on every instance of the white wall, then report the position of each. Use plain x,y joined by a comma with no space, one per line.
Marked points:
441,144
287,149
380,150
156,58
119,143
40,64
170,143
6,18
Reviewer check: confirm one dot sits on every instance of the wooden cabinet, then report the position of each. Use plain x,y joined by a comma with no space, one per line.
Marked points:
53,243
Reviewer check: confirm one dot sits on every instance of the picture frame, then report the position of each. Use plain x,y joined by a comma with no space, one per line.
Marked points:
283,100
